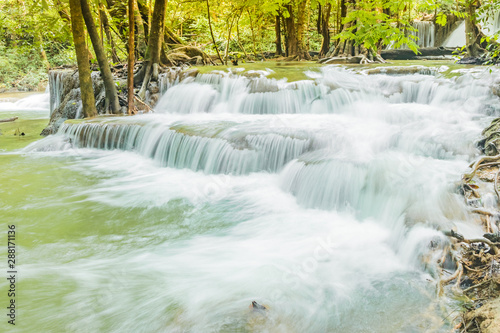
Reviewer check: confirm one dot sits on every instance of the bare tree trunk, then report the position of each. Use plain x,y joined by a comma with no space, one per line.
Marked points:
277,30
141,43
324,28
291,37
238,36
130,67
302,15
150,66
39,41
107,32
212,32
107,77
471,31
82,58
253,33
228,40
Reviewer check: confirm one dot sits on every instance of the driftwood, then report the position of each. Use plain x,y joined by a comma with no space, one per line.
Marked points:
8,120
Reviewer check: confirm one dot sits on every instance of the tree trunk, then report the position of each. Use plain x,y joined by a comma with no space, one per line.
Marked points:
238,36
472,31
130,67
324,28
171,37
150,66
82,58
107,77
291,37
107,32
277,30
254,48
141,43
212,32
302,19
39,41
226,56
346,47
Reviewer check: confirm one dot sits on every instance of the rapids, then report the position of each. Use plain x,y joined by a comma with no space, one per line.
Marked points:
320,199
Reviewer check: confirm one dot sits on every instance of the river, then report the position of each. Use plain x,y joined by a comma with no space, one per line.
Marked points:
321,199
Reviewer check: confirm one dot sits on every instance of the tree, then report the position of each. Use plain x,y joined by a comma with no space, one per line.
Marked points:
277,29
323,27
109,83
367,28
130,67
212,32
86,89
152,59
302,23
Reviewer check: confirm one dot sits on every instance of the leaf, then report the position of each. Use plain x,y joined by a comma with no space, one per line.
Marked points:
45,6
441,19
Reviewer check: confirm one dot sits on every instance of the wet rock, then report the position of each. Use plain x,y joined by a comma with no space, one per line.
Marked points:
470,61
153,88
257,307
189,73
153,99
486,316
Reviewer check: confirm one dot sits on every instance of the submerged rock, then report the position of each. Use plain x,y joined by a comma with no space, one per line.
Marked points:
470,61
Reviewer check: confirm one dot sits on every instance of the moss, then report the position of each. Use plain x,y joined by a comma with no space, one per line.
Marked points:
211,131
292,71
10,139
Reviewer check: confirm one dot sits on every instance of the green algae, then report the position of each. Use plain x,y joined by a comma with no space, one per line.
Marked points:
292,71
11,138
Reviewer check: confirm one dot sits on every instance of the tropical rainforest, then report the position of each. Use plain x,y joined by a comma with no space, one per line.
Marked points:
36,35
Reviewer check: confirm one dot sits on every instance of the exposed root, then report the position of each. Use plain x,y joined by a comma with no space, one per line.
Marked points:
478,164
141,106
495,187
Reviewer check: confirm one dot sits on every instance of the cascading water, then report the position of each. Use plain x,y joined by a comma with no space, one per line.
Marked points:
318,198
425,33
35,105
457,37
56,89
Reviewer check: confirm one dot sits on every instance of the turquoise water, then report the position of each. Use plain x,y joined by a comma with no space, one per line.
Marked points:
332,238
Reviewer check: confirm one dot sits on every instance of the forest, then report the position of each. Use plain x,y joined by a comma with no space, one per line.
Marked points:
37,35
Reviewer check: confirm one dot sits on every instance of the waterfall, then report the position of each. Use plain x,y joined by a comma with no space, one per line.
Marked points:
38,102
229,149
323,199
425,33
56,89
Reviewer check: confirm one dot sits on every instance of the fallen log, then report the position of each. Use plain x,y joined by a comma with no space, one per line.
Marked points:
8,120
423,52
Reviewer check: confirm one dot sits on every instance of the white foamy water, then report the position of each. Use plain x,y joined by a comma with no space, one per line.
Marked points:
33,106
319,199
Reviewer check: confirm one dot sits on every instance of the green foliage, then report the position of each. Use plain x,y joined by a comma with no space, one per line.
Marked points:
27,28
441,19
372,28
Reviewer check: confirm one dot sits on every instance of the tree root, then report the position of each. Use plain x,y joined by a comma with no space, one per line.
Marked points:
478,164
145,108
